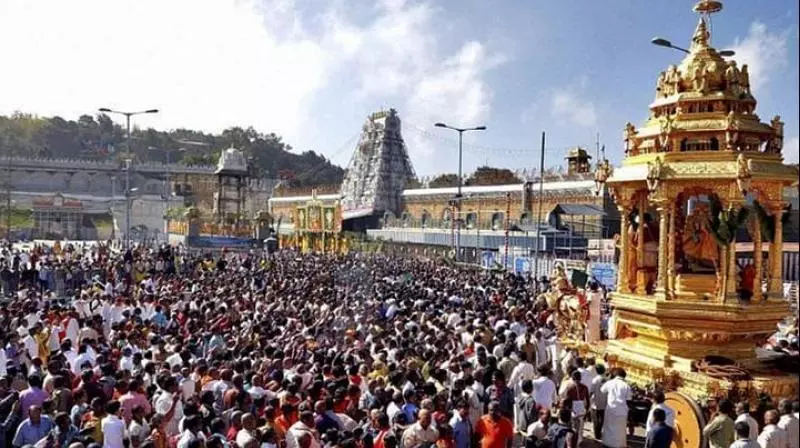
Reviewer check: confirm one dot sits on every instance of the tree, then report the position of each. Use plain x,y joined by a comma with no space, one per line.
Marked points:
413,183
725,224
97,138
444,181
486,175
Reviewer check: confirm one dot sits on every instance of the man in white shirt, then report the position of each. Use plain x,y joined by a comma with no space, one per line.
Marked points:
168,400
772,436
522,371
743,415
303,430
743,439
248,432
586,375
789,423
615,426
598,401
113,427
658,403
421,432
544,389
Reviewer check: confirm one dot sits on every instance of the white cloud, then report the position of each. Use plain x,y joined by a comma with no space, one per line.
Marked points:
568,104
206,64
763,51
791,150
210,64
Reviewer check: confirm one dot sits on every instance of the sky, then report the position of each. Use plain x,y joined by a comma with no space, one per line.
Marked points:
312,70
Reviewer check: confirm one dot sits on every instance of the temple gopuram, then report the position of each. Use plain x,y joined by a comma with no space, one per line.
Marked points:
703,173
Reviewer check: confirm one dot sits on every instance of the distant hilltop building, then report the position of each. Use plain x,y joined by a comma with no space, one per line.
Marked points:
51,189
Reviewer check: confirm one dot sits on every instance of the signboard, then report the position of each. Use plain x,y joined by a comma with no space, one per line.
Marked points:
230,242
522,264
488,259
605,274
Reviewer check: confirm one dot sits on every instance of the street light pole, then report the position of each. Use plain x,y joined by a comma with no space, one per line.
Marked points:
127,203
458,192
661,42
127,116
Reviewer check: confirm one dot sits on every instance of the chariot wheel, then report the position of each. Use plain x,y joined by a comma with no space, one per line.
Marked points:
689,421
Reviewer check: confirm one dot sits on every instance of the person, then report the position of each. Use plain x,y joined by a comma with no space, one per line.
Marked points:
421,432
575,396
34,395
595,299
537,431
138,428
544,389
113,427
525,412
659,403
247,434
789,423
598,400
719,431
615,423
32,429
561,434
660,434
743,415
498,392
772,436
64,432
461,424
743,436
191,432
495,430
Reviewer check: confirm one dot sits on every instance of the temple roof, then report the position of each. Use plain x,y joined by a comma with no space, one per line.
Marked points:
703,114
231,161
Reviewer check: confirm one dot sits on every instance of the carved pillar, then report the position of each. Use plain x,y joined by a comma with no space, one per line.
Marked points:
641,274
663,230
730,287
776,254
622,274
758,260
671,250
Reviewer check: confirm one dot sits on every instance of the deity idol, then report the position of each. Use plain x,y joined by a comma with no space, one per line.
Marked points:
699,246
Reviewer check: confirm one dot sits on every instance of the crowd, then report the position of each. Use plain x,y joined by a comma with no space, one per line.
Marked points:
160,348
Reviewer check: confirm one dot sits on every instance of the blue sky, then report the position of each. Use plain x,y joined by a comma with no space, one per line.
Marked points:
311,70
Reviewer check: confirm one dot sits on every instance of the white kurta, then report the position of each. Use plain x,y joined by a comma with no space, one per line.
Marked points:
615,425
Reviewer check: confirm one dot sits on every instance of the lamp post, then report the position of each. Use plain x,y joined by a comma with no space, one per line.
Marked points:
661,42
168,182
128,116
127,203
461,132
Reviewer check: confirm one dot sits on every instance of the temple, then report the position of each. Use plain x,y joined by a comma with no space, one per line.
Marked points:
379,170
702,173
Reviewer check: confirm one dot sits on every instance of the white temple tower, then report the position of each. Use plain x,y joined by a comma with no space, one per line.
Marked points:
379,170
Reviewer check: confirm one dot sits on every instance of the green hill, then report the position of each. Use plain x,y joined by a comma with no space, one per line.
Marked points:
99,138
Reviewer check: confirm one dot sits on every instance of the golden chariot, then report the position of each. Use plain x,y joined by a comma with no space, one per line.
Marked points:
702,171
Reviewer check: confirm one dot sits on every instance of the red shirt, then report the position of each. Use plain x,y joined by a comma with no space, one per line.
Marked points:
494,433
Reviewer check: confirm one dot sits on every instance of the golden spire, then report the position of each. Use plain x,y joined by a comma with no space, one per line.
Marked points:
702,34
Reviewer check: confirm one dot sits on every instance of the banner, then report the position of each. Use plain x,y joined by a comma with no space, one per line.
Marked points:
230,242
